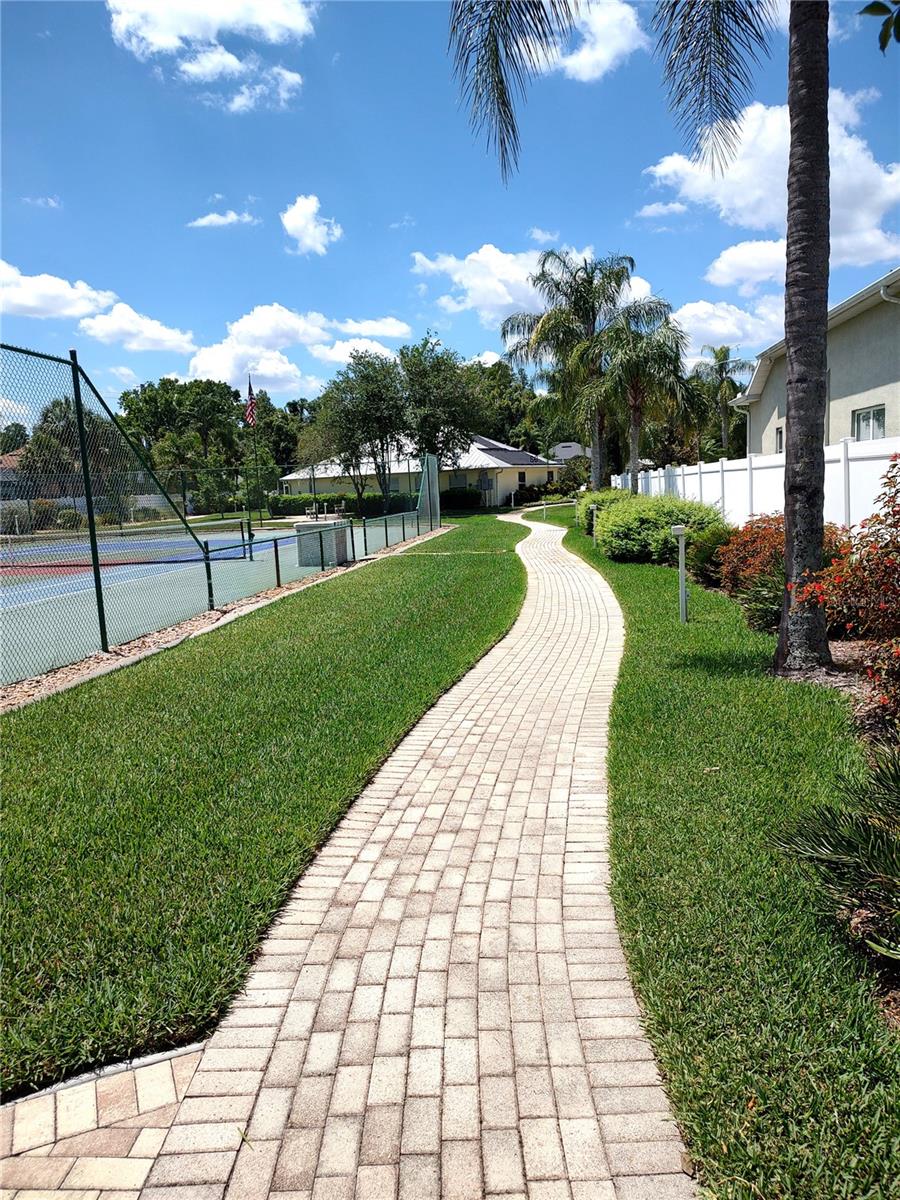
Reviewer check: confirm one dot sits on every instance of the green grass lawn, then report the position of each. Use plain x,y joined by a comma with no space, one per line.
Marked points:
785,1079
154,818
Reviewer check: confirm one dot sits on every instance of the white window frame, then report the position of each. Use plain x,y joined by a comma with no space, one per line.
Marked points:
523,482
779,439
856,422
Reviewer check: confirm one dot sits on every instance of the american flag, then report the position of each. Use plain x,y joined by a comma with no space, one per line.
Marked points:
250,410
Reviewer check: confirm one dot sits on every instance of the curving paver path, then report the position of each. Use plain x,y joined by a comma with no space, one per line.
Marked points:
442,1010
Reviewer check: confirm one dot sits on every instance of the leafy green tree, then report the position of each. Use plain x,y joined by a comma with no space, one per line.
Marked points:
581,298
151,410
364,420
440,413
277,429
12,437
709,50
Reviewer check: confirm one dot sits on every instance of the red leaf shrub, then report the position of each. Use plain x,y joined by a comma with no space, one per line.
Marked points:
861,589
757,550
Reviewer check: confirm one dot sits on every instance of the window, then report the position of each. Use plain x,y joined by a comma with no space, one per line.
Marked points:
521,479
868,423
458,479
549,476
394,484
779,439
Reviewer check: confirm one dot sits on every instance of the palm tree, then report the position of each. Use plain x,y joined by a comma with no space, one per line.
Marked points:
709,50
717,374
581,297
641,349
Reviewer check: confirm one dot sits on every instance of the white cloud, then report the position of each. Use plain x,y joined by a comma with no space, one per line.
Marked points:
232,361
216,220
340,351
134,331
311,232
487,358
273,327
610,33
748,264
491,281
43,201
379,327
147,27
543,237
661,210
215,198
48,295
213,62
405,222
720,323
272,89
752,193
125,374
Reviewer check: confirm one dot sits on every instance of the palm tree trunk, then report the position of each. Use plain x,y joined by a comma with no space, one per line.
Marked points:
724,415
802,636
598,448
634,433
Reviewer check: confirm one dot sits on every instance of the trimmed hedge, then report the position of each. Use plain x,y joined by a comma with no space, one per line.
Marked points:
461,498
603,499
372,505
640,531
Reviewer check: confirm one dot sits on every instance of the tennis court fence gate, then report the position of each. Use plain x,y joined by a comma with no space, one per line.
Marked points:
95,552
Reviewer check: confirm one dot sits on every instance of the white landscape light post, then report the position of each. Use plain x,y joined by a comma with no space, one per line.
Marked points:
679,532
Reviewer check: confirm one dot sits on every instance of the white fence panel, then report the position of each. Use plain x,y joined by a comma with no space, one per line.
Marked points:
749,487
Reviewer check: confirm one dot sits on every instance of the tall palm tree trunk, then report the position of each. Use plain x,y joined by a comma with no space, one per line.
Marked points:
802,636
599,469
635,415
724,416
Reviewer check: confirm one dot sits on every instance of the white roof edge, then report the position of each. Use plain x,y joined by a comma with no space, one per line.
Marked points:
859,302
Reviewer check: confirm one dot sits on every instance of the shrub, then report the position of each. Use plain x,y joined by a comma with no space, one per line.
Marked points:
372,505
762,600
69,518
603,499
640,531
43,513
14,517
853,849
758,549
108,518
703,560
463,498
860,589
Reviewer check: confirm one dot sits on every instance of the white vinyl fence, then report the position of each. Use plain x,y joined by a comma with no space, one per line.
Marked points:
749,487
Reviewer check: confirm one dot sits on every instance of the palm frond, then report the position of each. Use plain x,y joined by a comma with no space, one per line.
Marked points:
498,45
709,49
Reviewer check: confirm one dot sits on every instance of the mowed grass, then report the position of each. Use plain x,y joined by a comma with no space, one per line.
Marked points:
781,1071
154,819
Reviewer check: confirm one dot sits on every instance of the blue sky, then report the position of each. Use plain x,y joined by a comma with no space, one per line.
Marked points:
202,189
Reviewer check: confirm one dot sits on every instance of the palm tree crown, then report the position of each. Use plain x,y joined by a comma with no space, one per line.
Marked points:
717,374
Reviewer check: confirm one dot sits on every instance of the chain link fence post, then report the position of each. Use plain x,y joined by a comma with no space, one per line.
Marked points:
89,501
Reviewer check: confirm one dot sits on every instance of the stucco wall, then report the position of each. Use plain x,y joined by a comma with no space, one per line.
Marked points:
864,369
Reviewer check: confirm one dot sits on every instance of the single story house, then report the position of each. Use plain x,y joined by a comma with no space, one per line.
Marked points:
495,469
863,378
10,483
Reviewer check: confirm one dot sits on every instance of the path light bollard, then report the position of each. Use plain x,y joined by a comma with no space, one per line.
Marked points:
679,532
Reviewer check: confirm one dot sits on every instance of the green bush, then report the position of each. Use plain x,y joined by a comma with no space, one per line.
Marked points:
762,599
14,517
372,505
43,513
69,518
461,498
108,518
640,531
703,560
853,850
602,499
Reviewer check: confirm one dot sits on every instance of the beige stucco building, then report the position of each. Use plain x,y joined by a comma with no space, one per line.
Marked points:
863,374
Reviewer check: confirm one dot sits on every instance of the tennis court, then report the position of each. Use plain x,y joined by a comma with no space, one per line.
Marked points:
152,579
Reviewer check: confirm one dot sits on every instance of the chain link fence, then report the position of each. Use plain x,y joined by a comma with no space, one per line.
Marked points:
96,548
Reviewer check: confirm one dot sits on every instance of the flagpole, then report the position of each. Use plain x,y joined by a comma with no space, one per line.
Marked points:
256,461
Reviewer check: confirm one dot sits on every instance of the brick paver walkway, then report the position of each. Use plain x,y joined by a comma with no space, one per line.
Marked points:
442,1011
